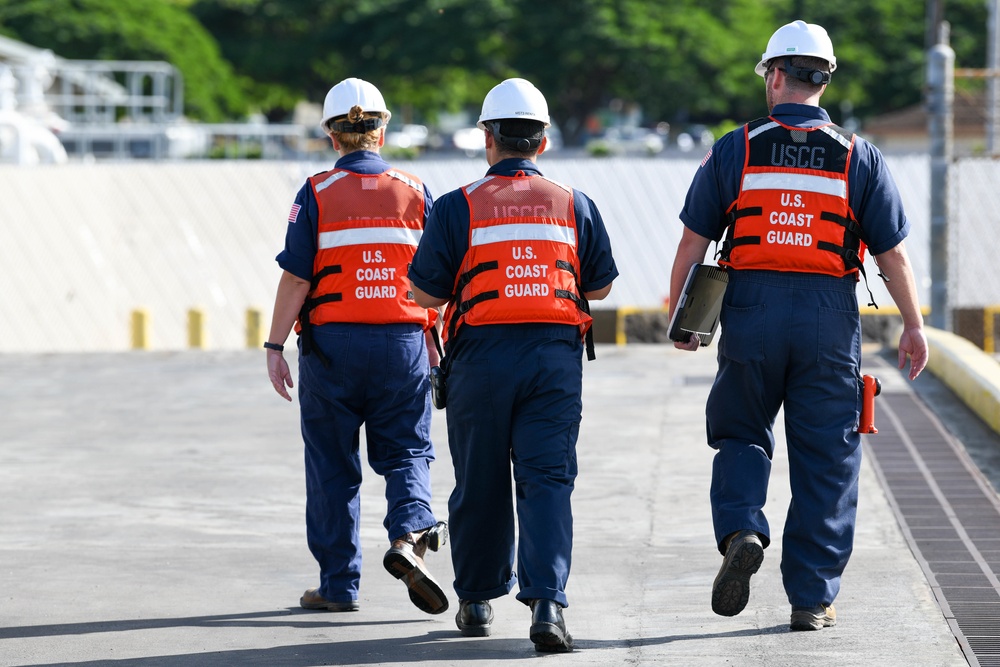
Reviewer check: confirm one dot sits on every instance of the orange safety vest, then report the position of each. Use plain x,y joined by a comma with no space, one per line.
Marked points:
369,228
522,264
792,211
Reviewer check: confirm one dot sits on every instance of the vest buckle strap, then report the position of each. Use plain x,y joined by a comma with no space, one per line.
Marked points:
850,225
566,294
738,213
566,266
464,307
467,277
324,272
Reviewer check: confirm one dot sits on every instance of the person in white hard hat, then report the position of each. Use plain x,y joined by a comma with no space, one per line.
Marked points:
794,202
365,351
516,257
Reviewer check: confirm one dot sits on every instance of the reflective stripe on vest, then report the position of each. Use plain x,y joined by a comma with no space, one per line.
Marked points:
792,211
369,228
522,264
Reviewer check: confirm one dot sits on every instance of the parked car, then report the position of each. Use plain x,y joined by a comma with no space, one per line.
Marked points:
628,140
407,136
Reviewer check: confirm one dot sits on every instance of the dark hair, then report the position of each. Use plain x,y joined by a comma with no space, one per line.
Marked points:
513,133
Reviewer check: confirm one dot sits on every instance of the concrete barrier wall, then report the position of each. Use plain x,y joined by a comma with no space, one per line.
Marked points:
973,375
84,245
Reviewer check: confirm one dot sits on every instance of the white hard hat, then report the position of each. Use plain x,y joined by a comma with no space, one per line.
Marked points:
514,98
349,93
798,39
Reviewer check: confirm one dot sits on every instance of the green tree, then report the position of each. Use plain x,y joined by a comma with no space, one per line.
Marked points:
133,30
679,60
426,56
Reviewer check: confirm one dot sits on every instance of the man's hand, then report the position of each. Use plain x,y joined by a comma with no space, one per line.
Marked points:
277,370
913,343
692,344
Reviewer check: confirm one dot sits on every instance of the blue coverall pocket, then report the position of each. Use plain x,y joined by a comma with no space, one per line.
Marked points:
838,338
743,333
334,346
406,361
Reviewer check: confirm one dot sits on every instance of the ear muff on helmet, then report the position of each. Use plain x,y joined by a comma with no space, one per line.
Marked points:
814,76
363,126
519,144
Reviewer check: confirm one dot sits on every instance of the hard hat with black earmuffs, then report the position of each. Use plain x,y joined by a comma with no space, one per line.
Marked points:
348,94
799,39
514,99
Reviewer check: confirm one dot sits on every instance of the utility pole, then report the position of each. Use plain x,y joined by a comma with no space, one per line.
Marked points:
940,99
993,82
935,15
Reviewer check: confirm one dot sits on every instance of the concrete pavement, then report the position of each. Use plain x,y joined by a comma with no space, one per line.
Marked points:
151,514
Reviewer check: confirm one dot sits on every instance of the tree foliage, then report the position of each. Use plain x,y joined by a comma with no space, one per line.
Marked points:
677,60
133,30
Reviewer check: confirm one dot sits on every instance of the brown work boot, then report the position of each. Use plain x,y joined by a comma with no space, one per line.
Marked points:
813,618
311,599
731,589
405,561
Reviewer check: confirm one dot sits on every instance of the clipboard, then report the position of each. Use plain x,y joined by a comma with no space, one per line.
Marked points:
700,304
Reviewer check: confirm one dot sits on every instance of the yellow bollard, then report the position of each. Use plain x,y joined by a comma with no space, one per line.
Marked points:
139,326
255,332
196,329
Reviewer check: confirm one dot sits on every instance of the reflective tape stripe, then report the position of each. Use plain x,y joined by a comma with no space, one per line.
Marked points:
557,184
524,232
330,181
369,235
763,128
405,179
481,181
800,182
841,139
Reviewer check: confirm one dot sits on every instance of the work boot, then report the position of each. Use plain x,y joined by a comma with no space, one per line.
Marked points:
813,618
405,561
731,589
311,599
474,618
548,629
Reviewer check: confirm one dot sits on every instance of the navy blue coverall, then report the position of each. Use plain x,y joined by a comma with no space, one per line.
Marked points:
377,376
792,340
514,397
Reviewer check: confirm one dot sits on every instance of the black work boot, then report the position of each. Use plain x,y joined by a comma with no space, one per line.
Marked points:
548,629
474,618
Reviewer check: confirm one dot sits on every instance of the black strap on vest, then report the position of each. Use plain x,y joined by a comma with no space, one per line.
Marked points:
462,307
581,303
309,304
584,305
731,241
853,235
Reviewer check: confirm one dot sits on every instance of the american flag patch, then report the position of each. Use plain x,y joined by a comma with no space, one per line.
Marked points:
293,215
707,155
